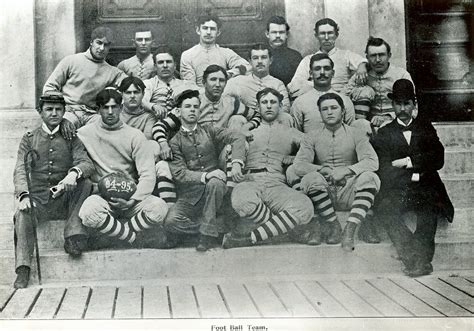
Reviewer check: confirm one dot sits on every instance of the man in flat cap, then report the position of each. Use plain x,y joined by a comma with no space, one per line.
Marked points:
410,155
57,184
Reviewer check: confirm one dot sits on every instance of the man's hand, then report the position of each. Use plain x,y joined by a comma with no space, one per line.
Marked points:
400,163
122,204
339,174
68,130
326,171
24,204
159,112
70,181
165,151
236,172
361,74
378,120
218,173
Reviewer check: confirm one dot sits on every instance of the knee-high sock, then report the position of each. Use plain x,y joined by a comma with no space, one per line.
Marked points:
261,214
228,167
114,228
323,205
363,200
166,190
140,222
277,225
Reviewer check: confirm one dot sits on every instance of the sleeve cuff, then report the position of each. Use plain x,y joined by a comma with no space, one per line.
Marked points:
77,170
22,195
203,177
415,177
409,163
239,161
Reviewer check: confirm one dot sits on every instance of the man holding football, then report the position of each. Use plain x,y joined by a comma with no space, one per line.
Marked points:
125,173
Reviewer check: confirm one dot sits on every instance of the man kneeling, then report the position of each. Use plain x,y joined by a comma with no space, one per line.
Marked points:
115,147
337,165
60,166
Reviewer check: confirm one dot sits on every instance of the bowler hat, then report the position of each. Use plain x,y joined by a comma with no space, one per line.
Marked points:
402,90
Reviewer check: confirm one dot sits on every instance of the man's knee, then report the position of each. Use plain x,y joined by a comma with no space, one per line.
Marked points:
313,182
216,185
93,211
301,207
155,209
291,177
367,180
244,199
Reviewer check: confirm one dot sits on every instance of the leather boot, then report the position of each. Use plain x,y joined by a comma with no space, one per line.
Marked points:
314,237
23,276
309,234
232,241
348,236
333,232
205,243
368,232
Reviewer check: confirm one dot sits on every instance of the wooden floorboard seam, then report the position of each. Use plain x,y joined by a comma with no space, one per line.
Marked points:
442,295
193,289
8,300
363,299
60,303
253,300
315,307
226,304
335,299
115,302
456,286
35,299
389,297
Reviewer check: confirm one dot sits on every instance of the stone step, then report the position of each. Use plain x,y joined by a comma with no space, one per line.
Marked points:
456,135
283,260
458,161
50,234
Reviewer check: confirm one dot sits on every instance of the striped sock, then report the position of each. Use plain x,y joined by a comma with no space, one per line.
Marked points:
140,222
364,199
114,228
323,205
261,214
166,190
279,224
228,166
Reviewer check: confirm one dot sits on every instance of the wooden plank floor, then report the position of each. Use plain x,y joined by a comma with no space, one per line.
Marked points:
429,296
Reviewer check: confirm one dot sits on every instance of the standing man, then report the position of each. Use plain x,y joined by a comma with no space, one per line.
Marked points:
195,167
346,63
304,110
141,64
337,165
371,99
285,60
80,76
268,207
196,59
245,88
410,156
118,148
161,90
62,165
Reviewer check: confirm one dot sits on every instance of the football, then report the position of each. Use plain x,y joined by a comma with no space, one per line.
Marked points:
116,185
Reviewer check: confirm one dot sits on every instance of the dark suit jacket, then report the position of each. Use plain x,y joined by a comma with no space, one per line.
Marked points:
427,155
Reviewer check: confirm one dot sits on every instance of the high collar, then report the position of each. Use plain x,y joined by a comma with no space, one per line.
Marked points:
384,74
403,124
114,127
89,56
139,111
48,131
331,52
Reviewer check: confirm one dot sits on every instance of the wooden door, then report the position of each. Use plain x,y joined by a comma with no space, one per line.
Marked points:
173,22
441,57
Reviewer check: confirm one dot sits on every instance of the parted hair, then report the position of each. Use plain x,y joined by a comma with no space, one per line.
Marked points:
212,69
330,96
131,80
206,18
319,57
106,95
280,20
325,21
101,32
269,90
373,41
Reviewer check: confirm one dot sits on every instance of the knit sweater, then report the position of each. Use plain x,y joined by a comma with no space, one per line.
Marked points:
120,149
80,77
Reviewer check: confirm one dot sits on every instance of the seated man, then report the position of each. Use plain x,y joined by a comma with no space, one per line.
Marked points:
118,148
267,205
337,165
60,166
195,167
196,59
245,88
134,114
80,76
304,112
370,99
161,90
410,156
140,65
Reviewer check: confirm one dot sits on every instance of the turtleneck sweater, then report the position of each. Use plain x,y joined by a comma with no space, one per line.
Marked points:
120,148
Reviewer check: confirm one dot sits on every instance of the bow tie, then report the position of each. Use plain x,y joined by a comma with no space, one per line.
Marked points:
406,128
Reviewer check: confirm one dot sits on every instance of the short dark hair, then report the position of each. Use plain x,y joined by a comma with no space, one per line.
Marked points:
206,18
260,47
280,20
212,69
330,96
319,57
269,90
373,41
101,32
187,94
106,95
132,80
164,49
325,21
